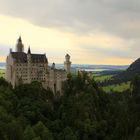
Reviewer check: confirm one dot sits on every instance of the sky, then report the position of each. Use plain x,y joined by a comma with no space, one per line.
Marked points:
90,31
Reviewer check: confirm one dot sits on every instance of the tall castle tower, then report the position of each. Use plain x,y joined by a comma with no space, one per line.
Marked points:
19,45
67,63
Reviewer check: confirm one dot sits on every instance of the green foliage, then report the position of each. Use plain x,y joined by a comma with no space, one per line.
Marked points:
84,112
114,87
2,73
137,134
42,131
117,87
14,131
68,134
29,133
102,78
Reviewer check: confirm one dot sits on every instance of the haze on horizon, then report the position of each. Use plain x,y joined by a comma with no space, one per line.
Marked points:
91,31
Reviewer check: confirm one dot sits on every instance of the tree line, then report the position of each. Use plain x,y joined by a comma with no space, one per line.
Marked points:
84,112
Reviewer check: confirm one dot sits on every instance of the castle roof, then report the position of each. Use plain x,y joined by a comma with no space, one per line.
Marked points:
35,58
38,57
19,56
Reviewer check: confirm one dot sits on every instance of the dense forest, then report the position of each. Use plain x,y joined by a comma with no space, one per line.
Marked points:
84,112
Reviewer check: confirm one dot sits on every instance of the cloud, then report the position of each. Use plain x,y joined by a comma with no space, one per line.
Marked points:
107,27
114,16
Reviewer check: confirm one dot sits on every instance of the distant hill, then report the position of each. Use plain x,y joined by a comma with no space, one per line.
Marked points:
132,71
86,67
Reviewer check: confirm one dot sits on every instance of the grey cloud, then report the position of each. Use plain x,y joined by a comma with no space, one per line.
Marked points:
119,17
108,52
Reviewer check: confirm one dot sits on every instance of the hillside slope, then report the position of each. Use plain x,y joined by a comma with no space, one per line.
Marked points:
128,75
132,71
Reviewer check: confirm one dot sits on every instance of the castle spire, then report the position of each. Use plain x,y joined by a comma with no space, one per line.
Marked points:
19,45
19,39
29,50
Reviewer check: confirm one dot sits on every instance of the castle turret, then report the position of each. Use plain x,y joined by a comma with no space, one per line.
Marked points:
10,51
67,63
29,55
29,64
19,45
53,66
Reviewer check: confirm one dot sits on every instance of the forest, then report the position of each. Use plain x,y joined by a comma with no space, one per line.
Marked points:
83,112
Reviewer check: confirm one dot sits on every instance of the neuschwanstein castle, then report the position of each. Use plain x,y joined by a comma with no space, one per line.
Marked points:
25,68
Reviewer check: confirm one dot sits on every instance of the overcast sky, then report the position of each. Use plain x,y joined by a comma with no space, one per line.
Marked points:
91,31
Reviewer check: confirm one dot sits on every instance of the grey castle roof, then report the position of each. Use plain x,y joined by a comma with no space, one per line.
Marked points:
35,58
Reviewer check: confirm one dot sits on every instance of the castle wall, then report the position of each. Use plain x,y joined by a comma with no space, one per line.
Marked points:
10,70
19,73
36,72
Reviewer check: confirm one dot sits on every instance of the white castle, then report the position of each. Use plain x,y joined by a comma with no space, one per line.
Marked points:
25,68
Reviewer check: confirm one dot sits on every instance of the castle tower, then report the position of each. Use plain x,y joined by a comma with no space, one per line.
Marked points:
67,63
29,64
19,45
